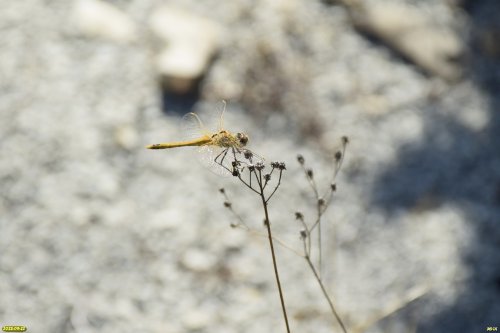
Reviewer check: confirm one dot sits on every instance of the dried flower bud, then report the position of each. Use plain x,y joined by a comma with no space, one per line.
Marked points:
248,154
300,159
221,190
299,216
303,234
274,164
267,177
309,173
338,156
259,166
333,186
321,202
236,173
251,167
345,140
282,166
227,204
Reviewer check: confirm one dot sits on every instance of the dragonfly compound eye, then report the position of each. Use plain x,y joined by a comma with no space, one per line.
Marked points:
243,138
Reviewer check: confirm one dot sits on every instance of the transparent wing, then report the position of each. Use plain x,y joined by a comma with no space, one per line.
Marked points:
192,127
207,155
214,118
231,159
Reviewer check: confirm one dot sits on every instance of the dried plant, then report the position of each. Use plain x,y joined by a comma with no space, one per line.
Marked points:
254,177
258,181
322,203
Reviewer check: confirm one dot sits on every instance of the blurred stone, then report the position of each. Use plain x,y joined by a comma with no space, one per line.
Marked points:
485,26
168,218
234,238
96,18
191,41
197,320
408,31
198,261
489,42
126,137
373,104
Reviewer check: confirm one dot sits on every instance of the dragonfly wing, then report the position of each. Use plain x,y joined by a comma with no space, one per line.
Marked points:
192,127
207,155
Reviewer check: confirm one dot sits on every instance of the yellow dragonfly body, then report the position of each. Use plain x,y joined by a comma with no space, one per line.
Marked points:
223,139
217,149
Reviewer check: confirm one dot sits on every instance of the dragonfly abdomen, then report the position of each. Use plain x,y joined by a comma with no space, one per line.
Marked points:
167,145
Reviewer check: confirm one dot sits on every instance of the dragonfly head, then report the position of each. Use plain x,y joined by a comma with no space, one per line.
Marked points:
242,139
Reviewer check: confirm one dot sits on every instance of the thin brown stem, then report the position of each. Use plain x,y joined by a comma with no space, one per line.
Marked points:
271,245
320,248
325,293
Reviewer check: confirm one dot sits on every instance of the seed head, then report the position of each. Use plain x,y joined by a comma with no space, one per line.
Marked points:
281,166
251,167
300,159
236,173
248,154
267,177
303,234
299,216
259,166
310,173
338,156
274,165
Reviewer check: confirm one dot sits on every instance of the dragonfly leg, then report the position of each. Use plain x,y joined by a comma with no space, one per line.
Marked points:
222,156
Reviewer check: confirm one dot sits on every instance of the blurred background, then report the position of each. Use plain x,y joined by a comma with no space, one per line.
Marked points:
98,234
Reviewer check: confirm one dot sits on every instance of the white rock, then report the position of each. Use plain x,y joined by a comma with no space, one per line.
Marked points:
191,42
126,136
198,261
197,320
409,31
96,18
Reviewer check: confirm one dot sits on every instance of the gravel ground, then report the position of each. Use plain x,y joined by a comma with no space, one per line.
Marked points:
99,234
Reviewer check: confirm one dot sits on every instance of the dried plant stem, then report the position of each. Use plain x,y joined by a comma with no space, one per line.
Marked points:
322,203
325,293
239,167
320,247
271,245
275,266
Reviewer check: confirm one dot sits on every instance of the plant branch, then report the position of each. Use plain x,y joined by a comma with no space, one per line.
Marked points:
270,237
325,293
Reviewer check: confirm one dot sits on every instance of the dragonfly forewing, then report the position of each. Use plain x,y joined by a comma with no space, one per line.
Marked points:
192,127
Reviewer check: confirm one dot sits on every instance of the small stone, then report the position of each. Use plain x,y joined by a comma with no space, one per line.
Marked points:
97,18
408,31
198,261
126,137
191,41
489,42
196,320
373,104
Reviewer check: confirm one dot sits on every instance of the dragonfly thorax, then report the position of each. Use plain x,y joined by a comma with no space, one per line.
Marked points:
226,139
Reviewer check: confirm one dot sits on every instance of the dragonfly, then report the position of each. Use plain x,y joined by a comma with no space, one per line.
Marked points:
222,151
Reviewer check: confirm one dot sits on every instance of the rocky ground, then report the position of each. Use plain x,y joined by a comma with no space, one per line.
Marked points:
99,234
